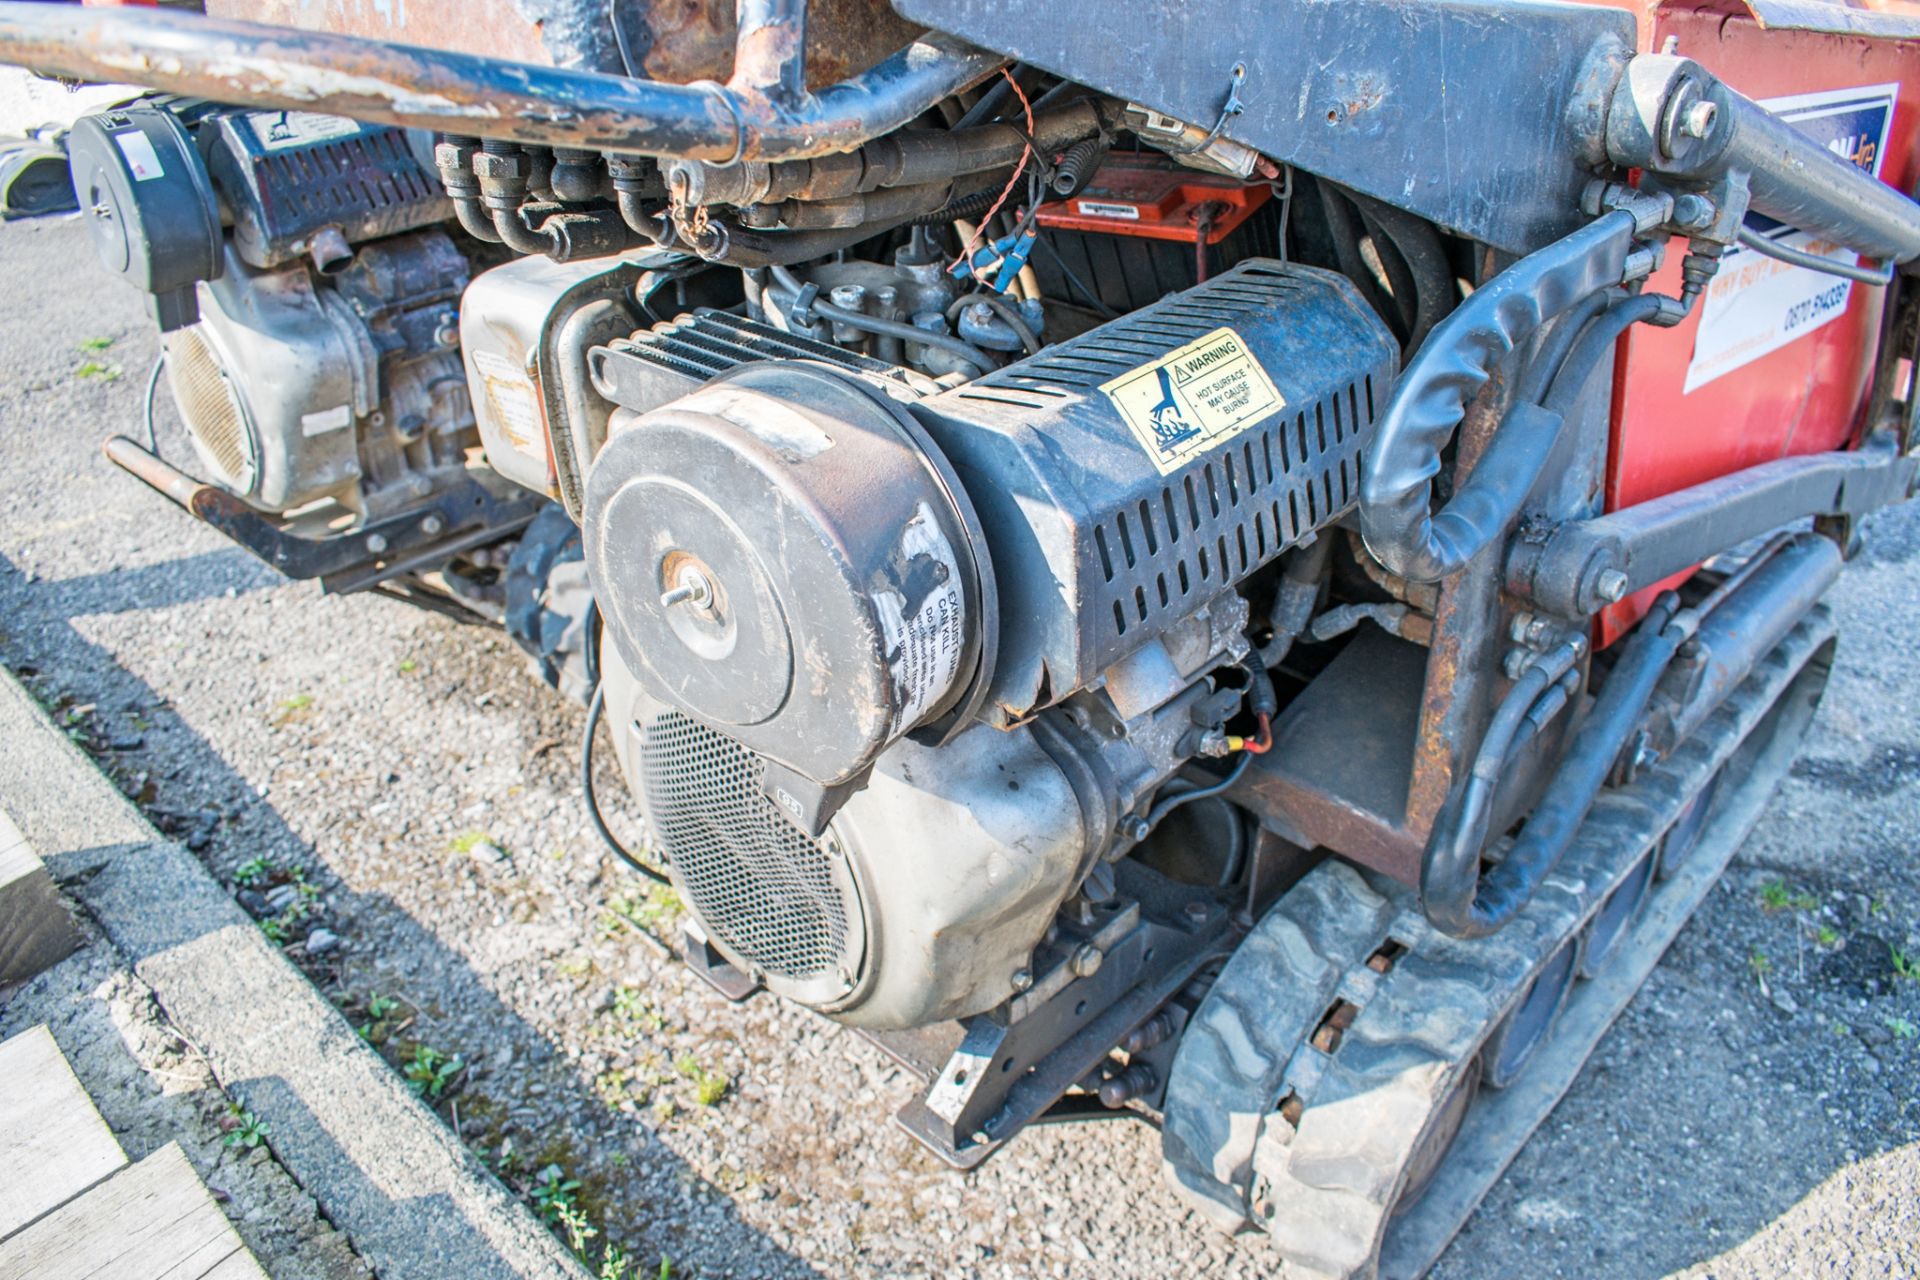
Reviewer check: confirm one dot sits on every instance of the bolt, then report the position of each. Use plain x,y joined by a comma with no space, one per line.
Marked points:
1197,912
1694,212
1539,633
1086,960
1022,979
432,525
1611,586
1136,829
1517,662
1517,629
1698,122
692,588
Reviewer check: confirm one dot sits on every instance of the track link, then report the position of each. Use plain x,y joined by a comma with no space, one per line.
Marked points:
1330,1068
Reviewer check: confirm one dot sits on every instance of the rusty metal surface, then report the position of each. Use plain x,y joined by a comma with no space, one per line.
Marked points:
249,64
1463,657
1342,756
673,41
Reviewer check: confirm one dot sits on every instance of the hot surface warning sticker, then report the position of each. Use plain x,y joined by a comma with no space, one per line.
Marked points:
1757,305
1194,397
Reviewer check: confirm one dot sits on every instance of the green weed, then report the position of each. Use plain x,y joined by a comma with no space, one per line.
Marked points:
253,871
248,1129
430,1071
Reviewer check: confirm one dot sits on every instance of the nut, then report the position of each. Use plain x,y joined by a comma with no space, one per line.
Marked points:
501,166
457,156
1698,121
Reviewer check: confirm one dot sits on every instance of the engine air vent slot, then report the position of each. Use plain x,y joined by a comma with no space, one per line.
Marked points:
771,898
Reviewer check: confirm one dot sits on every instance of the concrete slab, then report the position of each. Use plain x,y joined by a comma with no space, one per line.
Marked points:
35,931
415,1202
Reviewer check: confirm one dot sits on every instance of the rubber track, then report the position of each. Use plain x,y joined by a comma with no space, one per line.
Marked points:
1326,1190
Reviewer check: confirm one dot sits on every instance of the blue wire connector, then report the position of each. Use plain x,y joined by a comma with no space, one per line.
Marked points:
1008,254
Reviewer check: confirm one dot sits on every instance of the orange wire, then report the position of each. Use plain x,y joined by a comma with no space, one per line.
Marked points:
1026,154
1262,744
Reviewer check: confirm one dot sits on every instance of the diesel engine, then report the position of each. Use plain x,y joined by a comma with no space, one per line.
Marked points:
1217,578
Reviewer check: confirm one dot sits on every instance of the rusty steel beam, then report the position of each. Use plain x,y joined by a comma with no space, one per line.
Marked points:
253,65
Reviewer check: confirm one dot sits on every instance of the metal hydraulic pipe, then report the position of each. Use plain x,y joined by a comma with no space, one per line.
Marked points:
265,66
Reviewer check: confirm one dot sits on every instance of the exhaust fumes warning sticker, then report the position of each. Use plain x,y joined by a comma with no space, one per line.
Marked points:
1756,305
1194,397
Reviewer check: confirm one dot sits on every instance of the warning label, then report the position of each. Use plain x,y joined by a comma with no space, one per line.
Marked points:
1193,398
1756,305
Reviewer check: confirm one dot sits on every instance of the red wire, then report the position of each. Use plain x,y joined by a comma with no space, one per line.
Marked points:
1026,154
1262,744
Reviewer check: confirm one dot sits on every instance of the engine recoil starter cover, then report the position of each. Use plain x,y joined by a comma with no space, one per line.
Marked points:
784,555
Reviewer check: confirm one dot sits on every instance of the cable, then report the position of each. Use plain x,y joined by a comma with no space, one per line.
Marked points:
595,706
620,37
1168,804
153,383
1079,284
1861,274
1026,154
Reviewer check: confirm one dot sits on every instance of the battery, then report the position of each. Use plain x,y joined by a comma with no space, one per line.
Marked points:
1143,226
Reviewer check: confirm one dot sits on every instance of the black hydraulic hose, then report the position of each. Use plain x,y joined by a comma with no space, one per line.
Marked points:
1551,353
252,64
1444,377
1457,898
1595,346
1344,228
1435,292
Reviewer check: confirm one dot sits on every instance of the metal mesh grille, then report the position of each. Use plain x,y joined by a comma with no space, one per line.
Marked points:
763,889
210,408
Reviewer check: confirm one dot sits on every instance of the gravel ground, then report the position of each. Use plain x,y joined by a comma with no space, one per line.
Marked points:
1746,1117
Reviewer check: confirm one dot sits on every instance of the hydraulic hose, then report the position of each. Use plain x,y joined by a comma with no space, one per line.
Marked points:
1457,360
252,64
1456,896
1594,346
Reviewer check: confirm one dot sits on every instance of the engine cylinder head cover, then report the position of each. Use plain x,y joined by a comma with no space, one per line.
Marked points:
785,556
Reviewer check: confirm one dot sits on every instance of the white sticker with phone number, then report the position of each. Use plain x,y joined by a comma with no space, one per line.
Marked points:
1757,305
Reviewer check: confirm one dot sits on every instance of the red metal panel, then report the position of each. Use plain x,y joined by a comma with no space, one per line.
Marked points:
1806,396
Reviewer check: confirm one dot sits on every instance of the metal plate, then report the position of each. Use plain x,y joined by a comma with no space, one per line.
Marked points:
1414,103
